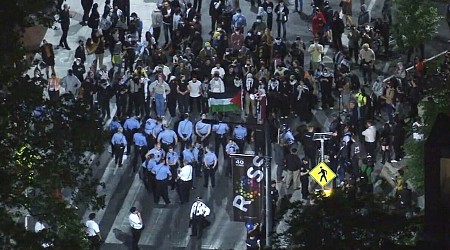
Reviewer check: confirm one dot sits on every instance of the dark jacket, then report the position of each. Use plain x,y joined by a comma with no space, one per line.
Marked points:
292,162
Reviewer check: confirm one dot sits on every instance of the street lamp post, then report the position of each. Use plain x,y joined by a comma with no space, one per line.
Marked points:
267,165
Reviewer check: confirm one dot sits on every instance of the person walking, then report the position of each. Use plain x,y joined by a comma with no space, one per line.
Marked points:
162,176
93,233
185,181
210,166
137,225
64,18
198,214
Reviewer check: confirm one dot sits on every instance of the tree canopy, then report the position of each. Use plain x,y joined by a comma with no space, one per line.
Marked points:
417,21
41,144
343,221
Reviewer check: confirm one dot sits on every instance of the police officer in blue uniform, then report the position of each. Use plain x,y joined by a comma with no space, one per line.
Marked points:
149,125
149,178
162,176
113,126
167,137
230,148
130,126
185,129
210,167
158,128
198,152
188,157
172,159
203,131
119,143
158,152
140,147
221,131
239,135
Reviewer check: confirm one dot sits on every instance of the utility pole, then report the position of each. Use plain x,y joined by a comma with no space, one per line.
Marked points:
268,170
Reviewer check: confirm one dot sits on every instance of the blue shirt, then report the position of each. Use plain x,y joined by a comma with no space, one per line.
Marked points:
157,129
161,171
167,136
114,126
139,139
118,138
157,152
149,164
221,128
240,132
196,152
210,158
231,148
185,128
172,158
150,124
288,137
202,128
188,155
131,123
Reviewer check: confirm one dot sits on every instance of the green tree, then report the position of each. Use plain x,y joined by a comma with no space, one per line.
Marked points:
343,221
417,21
41,144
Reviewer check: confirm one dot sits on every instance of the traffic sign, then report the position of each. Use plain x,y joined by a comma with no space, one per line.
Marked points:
322,174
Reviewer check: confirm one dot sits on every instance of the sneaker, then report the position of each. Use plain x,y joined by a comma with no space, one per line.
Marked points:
394,161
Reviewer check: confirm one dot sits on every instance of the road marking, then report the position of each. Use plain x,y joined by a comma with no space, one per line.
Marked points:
121,222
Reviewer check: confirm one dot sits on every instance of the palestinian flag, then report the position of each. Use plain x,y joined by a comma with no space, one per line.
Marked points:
226,102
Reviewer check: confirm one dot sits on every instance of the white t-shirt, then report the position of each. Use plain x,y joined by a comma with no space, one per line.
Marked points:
195,88
92,228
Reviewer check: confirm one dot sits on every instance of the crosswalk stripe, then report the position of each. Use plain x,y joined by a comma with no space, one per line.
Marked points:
121,221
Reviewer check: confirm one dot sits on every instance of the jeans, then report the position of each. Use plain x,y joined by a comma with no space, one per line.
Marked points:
297,3
366,71
280,24
160,103
167,30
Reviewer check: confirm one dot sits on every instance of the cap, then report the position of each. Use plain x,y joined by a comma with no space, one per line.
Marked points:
207,44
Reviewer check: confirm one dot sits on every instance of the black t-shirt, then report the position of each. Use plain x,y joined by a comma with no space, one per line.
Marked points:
182,86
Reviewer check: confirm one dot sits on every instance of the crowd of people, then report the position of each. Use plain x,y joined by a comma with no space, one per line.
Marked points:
150,75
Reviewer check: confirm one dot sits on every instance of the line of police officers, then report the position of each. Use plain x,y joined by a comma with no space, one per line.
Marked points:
154,144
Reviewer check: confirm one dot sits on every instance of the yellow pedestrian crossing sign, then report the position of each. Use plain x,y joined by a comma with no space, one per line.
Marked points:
322,174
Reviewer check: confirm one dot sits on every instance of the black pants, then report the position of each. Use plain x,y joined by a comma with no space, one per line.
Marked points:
204,104
197,225
214,20
241,144
184,188
183,103
86,10
173,170
220,140
355,53
337,41
63,40
310,153
118,154
304,182
269,21
210,173
370,148
139,156
136,234
94,242
134,102
162,190
197,101
156,33
184,143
